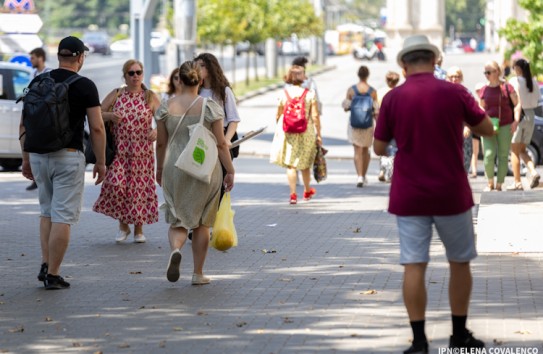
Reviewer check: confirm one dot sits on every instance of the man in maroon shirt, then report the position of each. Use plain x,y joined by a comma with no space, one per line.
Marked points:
426,117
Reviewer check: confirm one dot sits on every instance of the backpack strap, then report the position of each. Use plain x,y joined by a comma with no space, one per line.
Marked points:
71,79
288,96
356,92
303,94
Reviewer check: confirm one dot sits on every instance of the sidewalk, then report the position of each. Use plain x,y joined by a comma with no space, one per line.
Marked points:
319,277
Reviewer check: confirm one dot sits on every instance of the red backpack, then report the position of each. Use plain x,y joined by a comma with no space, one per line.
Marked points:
294,114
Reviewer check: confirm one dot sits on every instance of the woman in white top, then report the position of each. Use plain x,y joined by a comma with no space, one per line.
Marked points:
216,86
528,92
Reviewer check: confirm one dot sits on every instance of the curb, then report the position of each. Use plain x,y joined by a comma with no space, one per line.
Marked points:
277,86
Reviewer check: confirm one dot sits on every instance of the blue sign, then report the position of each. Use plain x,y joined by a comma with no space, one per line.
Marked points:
21,59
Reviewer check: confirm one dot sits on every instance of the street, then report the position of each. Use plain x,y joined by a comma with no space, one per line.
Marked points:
318,277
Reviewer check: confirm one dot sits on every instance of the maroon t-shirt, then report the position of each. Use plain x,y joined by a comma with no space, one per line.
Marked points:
426,117
497,102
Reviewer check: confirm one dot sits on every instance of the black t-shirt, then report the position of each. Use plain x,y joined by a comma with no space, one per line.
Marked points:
82,94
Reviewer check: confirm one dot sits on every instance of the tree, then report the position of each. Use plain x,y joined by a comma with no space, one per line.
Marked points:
365,11
464,15
527,36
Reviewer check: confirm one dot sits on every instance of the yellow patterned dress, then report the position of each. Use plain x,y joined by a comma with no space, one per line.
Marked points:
295,150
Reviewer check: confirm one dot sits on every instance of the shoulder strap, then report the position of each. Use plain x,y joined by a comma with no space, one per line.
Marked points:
71,79
303,94
182,117
370,91
204,104
355,89
288,96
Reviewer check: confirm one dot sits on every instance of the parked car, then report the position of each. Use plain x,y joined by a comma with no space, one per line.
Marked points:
14,78
294,47
159,42
243,47
97,41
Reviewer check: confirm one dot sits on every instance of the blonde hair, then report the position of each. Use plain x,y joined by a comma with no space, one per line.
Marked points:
455,70
495,66
126,67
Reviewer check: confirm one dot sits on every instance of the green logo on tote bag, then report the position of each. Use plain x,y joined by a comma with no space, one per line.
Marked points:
199,155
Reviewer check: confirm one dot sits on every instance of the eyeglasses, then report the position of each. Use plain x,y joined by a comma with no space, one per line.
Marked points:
137,72
489,72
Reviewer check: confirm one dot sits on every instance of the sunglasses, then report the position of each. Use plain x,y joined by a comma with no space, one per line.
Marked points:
137,72
489,72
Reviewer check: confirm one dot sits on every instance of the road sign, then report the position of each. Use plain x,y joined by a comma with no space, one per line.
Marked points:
20,23
21,59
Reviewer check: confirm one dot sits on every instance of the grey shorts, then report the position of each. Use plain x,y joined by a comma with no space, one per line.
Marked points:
455,231
60,177
525,129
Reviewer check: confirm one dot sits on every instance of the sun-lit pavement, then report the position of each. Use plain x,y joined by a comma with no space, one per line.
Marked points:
318,277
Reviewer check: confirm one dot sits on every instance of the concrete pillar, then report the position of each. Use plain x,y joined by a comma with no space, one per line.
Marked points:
271,58
185,29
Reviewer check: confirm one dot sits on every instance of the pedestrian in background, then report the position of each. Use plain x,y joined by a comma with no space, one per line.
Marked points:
386,163
216,86
128,193
361,138
189,203
426,116
475,139
497,97
528,92
60,175
174,87
37,59
309,82
296,151
455,76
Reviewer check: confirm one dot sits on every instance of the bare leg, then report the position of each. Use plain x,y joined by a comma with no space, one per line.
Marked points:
292,177
515,161
124,227
474,156
177,237
306,177
59,238
366,157
358,162
460,284
45,231
138,229
414,290
527,160
200,245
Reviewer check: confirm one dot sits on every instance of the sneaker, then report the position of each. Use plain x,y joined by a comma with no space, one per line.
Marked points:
32,186
535,181
515,187
43,272
122,235
55,282
420,348
200,279
310,194
467,341
173,273
360,182
140,238
293,198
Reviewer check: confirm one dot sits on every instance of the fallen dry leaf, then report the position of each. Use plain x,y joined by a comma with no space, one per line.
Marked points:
341,266
162,344
497,342
18,329
287,320
178,329
98,352
241,324
357,230
354,335
286,279
523,332
48,319
138,272
76,344
123,346
369,292
201,313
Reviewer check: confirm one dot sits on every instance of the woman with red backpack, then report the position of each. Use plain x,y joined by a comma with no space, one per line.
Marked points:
297,132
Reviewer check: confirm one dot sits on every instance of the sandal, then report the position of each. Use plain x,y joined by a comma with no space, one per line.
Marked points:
515,187
535,181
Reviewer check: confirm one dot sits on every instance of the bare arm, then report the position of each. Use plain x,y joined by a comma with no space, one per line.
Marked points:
485,128
98,139
224,154
380,147
230,131
107,105
26,171
161,147
155,103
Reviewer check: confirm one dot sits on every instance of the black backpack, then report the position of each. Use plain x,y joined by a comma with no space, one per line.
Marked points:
362,109
46,114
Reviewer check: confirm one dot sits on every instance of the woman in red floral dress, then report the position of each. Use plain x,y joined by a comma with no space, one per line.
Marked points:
128,192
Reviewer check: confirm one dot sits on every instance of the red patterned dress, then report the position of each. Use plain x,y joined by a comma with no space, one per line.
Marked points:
128,192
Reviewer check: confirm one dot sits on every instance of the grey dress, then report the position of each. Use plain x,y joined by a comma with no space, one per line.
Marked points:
188,202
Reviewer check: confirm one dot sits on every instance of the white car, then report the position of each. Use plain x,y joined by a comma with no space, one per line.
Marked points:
14,78
159,42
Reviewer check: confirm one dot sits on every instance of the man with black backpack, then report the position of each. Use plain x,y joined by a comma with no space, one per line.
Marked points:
51,136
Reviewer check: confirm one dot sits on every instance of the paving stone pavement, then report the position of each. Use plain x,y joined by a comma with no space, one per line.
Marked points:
328,283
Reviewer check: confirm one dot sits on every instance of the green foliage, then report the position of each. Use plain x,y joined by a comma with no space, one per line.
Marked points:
362,10
464,15
526,36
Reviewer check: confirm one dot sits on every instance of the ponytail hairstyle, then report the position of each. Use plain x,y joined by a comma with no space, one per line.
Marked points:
189,73
524,66
215,76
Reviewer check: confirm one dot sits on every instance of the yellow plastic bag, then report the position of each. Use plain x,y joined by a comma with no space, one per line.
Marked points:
224,231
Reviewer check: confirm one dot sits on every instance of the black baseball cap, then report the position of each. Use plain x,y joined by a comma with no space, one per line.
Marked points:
72,44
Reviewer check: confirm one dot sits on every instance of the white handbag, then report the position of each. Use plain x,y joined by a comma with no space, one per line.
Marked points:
199,157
